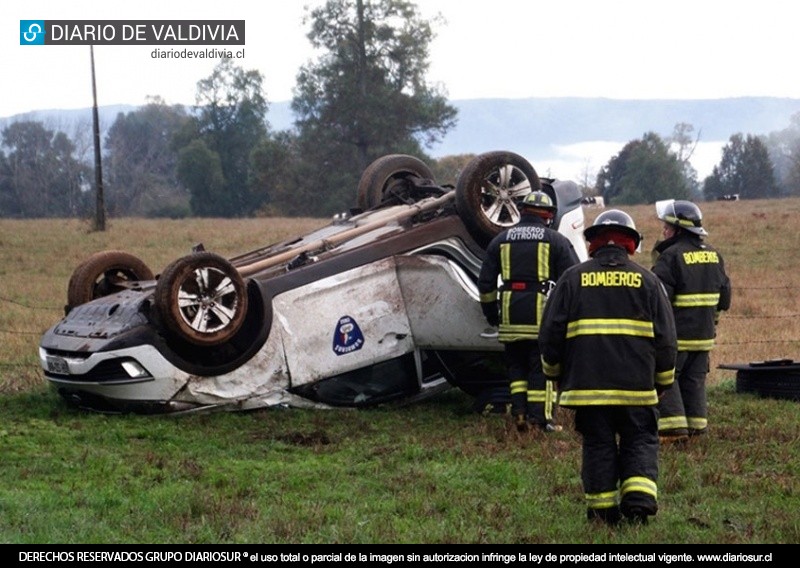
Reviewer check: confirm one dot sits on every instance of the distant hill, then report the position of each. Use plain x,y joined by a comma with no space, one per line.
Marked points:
533,123
565,137
67,119
560,136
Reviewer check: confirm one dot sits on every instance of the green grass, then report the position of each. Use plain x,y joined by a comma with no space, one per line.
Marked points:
433,472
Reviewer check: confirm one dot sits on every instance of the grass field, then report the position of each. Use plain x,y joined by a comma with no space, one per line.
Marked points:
429,473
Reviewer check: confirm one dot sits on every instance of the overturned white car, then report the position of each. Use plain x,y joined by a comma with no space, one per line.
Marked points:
381,304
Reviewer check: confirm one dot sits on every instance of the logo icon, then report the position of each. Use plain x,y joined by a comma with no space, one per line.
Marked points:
347,337
31,32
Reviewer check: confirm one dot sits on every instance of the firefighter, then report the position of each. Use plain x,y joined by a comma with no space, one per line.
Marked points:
608,339
693,273
528,258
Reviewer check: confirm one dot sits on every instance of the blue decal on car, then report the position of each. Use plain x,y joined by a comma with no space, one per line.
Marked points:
347,337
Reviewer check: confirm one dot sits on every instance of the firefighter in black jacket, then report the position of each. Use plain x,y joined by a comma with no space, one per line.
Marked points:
608,338
528,257
693,273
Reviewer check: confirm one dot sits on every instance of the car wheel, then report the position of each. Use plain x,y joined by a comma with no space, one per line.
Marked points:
386,179
777,378
202,298
104,273
489,189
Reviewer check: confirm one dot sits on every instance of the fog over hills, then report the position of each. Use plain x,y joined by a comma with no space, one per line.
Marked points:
568,138
564,130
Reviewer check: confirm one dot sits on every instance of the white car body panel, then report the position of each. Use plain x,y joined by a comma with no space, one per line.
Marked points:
379,305
331,327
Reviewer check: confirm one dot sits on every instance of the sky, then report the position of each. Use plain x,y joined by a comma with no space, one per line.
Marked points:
624,49
627,49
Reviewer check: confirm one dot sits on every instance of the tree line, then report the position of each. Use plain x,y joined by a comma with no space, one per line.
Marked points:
365,96
654,168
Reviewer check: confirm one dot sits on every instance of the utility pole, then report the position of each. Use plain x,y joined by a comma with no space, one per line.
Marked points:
100,206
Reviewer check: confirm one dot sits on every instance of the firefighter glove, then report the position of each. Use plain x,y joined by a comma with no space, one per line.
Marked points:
490,313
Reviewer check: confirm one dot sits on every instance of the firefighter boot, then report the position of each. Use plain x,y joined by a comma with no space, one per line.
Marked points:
677,436
636,508
519,404
610,516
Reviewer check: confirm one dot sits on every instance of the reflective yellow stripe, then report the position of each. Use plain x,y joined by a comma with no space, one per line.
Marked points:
507,332
543,270
695,344
641,485
505,261
490,296
549,399
695,300
505,306
608,397
519,328
599,326
551,370
518,387
672,423
511,337
602,500
537,396
697,423
665,378
544,275
546,395
673,220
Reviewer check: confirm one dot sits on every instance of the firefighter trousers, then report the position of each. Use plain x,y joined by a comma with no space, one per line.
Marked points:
683,408
620,457
532,395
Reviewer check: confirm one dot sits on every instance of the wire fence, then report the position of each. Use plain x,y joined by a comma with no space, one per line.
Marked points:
722,343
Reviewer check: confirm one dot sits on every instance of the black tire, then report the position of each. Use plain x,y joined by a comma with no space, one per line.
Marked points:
386,178
489,189
770,383
202,298
104,273
473,373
